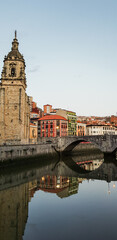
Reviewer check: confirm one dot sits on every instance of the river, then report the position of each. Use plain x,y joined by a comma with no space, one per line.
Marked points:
63,199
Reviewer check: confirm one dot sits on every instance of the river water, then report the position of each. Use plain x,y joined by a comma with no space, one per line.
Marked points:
63,199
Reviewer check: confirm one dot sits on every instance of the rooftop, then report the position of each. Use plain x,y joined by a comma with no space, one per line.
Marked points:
52,117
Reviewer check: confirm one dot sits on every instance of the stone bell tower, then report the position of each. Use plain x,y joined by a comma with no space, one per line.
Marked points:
14,102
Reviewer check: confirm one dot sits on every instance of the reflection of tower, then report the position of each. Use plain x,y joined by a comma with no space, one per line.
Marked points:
109,191
32,188
108,171
109,188
13,212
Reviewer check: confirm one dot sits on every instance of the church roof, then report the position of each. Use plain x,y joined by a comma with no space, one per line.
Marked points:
14,53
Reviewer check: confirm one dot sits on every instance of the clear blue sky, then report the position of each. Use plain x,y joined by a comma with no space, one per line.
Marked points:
70,49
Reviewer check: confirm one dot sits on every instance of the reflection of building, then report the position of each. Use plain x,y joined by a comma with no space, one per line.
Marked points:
13,212
90,165
71,189
32,188
52,126
14,102
50,183
62,186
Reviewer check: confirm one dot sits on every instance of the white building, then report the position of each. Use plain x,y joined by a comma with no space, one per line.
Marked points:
100,129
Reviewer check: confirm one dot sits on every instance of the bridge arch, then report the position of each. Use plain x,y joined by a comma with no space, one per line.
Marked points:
105,143
71,145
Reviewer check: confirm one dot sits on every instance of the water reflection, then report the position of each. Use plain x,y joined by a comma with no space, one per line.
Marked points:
62,186
62,178
13,211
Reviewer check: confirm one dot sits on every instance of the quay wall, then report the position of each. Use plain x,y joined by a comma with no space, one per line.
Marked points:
15,152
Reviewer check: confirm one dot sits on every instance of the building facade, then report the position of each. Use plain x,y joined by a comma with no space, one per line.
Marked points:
113,119
100,129
52,126
81,129
14,102
72,120
47,109
33,132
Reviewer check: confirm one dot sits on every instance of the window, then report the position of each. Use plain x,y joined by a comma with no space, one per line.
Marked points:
57,123
33,133
13,72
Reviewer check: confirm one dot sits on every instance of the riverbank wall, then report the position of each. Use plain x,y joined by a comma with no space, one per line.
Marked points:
16,152
10,153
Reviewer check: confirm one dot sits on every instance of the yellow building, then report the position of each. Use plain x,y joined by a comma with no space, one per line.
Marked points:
81,129
14,102
33,132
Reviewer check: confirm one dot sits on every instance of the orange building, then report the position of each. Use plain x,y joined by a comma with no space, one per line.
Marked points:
81,129
52,126
47,108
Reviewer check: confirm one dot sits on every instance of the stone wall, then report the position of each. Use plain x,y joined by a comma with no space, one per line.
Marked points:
24,151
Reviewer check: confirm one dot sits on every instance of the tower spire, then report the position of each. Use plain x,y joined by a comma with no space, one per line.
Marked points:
15,42
15,34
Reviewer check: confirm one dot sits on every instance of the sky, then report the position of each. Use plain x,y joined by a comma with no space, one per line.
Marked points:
70,50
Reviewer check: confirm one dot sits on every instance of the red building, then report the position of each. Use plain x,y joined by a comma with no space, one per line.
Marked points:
52,126
113,119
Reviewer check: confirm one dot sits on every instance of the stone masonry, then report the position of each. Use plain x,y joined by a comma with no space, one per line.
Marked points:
14,102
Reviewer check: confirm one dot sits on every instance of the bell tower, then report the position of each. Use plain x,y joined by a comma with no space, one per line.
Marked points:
14,66
14,102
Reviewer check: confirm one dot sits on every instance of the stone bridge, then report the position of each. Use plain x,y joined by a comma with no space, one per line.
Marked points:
106,143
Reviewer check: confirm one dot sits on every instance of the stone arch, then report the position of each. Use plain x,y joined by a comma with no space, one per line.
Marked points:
114,148
71,145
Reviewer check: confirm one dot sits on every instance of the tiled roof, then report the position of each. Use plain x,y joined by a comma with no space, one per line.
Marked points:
32,124
34,113
52,117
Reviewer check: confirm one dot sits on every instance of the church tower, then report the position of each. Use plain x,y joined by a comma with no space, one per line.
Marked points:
14,102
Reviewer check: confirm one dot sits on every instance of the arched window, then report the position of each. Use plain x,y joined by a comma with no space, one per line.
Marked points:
13,72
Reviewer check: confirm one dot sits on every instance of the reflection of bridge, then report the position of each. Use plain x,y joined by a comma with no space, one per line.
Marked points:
67,167
106,143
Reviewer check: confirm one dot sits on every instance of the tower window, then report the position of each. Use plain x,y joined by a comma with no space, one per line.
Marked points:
13,72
